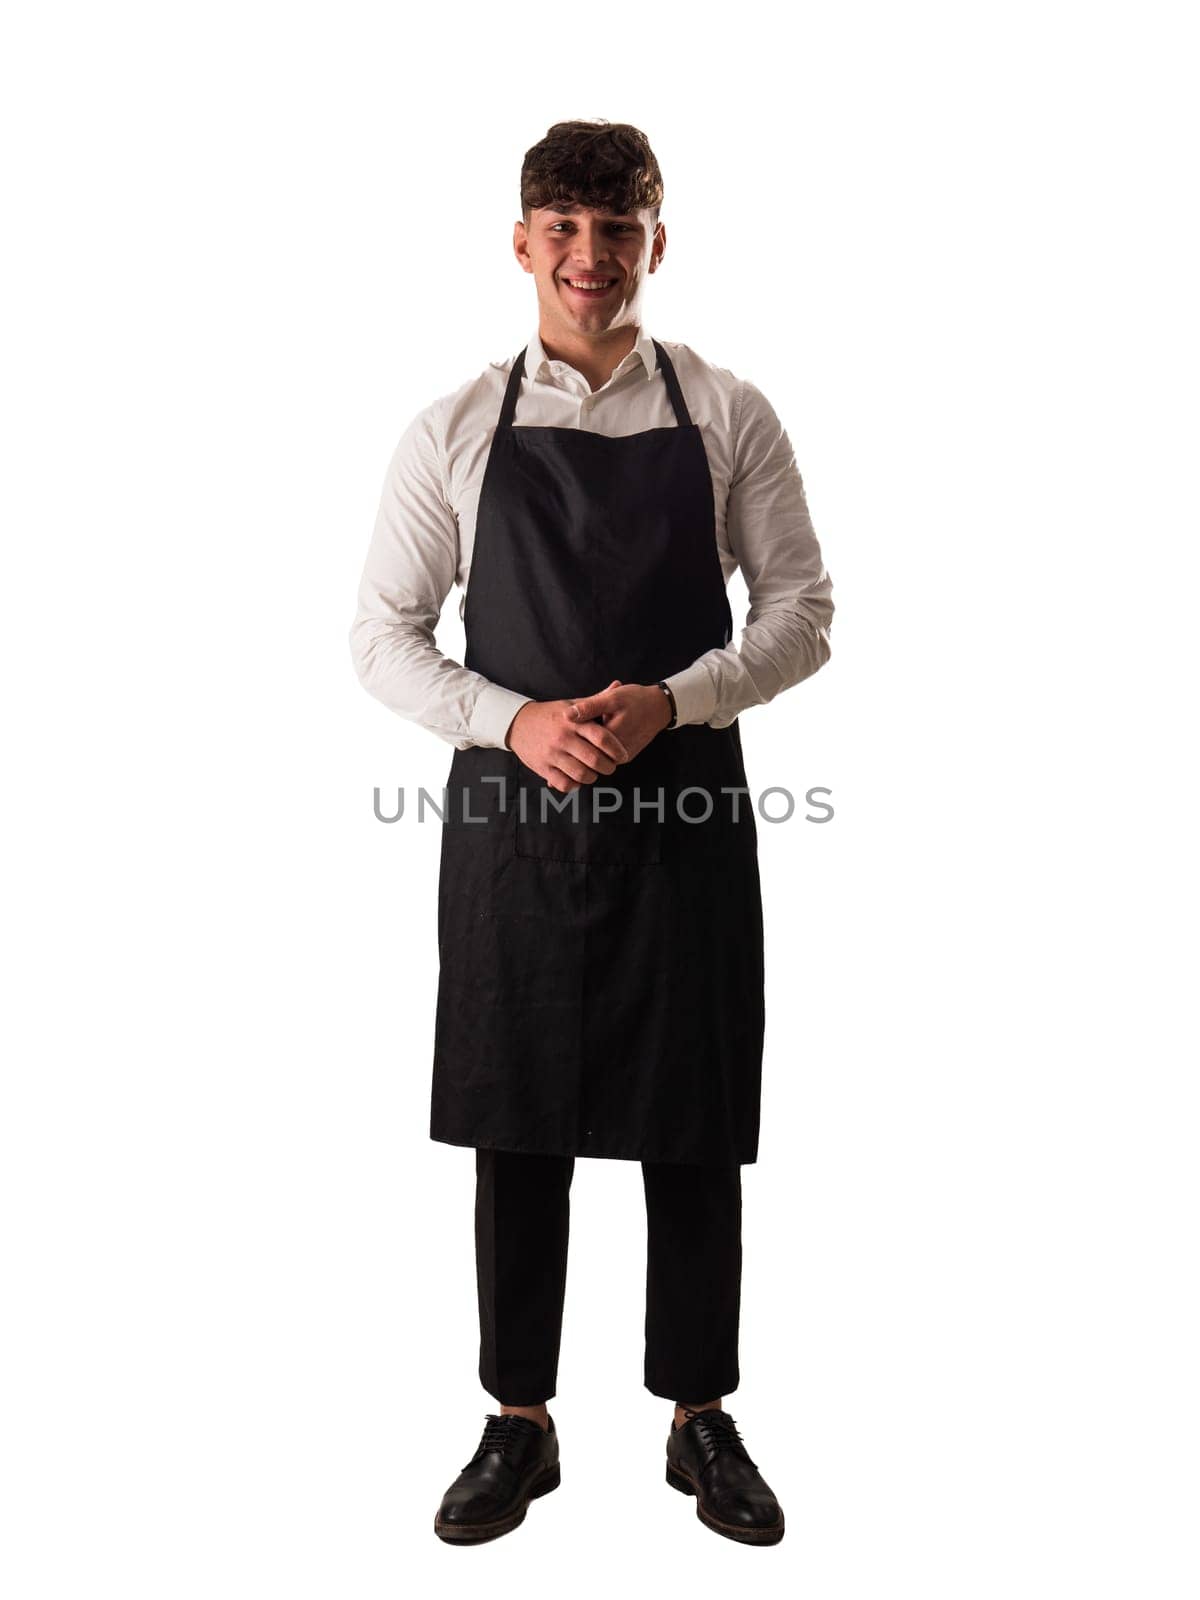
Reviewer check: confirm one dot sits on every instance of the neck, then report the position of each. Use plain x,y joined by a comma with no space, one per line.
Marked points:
597,356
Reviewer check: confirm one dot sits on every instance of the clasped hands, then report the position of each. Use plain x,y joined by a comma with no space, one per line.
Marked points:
573,742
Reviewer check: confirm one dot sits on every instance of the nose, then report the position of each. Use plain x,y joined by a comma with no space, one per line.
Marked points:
589,247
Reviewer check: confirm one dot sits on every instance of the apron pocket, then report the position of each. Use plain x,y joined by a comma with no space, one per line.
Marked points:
607,843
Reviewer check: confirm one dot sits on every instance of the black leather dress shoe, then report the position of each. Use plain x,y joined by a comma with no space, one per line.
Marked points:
517,1460
706,1457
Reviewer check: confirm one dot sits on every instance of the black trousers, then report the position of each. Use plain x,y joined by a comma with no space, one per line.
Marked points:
693,1275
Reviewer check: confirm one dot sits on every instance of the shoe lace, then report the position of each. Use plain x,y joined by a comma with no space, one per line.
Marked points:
500,1433
717,1429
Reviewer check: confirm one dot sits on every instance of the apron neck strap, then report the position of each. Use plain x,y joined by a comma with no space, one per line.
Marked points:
672,382
678,405
510,394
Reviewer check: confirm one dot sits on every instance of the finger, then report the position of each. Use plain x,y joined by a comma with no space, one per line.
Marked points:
605,739
593,705
615,684
574,768
591,754
558,780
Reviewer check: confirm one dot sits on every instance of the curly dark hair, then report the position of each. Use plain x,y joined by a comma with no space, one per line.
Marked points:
606,166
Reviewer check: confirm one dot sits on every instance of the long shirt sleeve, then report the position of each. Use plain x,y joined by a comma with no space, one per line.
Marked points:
411,565
770,535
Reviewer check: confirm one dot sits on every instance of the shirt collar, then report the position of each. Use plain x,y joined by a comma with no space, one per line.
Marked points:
537,362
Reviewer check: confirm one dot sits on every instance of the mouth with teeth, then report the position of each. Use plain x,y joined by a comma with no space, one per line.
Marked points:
590,288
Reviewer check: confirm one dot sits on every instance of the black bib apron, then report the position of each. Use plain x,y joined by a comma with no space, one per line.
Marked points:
601,953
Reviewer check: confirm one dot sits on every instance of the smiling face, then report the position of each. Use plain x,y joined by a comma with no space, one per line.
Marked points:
590,267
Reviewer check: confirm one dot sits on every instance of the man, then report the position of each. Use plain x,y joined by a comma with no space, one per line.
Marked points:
601,977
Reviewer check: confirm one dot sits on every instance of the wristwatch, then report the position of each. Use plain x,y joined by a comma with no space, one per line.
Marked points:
671,698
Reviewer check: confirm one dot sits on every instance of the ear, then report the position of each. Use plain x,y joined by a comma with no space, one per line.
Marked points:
521,245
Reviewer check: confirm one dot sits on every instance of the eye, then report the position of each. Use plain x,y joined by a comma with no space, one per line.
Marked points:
624,226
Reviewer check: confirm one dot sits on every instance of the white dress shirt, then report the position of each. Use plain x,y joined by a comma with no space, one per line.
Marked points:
425,532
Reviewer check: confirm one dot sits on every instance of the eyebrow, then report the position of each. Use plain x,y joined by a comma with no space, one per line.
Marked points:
609,216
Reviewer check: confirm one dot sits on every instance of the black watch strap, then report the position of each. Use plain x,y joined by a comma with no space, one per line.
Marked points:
671,698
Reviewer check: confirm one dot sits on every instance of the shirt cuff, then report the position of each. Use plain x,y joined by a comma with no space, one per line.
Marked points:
493,714
695,694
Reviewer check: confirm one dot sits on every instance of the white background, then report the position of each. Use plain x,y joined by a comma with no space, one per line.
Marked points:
954,247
